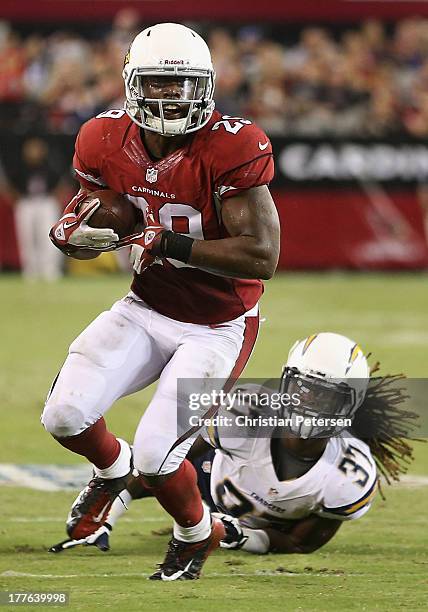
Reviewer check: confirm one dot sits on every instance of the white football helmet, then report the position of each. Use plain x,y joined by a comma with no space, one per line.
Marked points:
330,374
175,52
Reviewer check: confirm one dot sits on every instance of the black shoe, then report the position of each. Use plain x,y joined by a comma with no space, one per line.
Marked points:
100,539
184,560
89,511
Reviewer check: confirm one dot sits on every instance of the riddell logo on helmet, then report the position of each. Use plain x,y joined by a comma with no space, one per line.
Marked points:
173,62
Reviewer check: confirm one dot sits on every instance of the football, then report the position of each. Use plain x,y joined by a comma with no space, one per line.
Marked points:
115,212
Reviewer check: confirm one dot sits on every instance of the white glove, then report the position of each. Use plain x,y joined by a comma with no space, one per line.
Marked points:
73,229
234,537
135,256
85,236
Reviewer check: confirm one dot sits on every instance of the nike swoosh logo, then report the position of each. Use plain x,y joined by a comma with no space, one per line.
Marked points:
67,225
97,519
176,575
262,147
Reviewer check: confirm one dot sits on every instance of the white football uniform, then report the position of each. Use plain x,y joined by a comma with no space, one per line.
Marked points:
127,348
341,485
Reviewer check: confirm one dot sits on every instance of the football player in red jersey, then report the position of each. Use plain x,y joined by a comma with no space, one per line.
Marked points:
212,233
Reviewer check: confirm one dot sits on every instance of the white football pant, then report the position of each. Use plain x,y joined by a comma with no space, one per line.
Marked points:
126,349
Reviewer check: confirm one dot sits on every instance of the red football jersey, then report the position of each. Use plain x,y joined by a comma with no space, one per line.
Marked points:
185,191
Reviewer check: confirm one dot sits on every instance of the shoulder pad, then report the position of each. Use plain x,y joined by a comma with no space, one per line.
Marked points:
239,153
102,134
235,141
96,140
352,483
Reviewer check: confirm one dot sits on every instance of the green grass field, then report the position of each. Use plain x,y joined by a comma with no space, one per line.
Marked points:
377,563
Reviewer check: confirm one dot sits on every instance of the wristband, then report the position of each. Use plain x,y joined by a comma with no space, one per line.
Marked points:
176,246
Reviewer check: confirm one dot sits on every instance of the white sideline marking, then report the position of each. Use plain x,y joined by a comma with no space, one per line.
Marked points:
410,480
259,573
45,477
48,519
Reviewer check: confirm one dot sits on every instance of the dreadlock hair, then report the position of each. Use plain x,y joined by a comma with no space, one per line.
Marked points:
386,425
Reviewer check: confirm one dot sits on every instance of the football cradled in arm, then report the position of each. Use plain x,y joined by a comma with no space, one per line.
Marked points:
250,251
72,235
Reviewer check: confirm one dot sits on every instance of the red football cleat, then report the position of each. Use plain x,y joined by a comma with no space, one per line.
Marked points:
89,511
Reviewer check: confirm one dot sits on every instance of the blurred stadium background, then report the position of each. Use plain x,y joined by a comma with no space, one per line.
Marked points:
341,88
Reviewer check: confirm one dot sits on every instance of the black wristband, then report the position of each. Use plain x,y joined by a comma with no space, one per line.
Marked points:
176,246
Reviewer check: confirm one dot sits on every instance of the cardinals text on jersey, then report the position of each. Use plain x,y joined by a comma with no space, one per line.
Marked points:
185,191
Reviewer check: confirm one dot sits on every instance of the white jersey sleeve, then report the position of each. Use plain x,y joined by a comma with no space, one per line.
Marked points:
350,488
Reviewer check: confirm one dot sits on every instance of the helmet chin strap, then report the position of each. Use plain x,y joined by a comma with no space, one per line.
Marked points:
172,127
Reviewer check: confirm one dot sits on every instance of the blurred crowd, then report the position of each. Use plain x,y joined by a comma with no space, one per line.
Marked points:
369,80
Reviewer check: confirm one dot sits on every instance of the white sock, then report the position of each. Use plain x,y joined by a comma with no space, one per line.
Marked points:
120,467
198,532
258,541
119,507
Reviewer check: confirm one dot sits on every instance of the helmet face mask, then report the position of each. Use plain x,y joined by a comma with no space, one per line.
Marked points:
318,397
169,80
146,100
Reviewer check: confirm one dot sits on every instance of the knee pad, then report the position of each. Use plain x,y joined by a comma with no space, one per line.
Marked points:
63,421
148,456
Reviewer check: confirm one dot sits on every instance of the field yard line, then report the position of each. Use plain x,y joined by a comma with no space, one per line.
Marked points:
48,519
45,477
17,474
410,480
13,574
51,477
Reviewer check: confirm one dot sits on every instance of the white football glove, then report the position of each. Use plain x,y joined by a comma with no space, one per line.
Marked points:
135,256
235,537
73,229
85,236
141,244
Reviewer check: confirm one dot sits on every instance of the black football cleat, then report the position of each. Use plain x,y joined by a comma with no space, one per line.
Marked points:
100,539
64,545
89,511
184,560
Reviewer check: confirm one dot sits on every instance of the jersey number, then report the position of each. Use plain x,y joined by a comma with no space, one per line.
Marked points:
235,510
226,122
181,218
348,464
114,113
